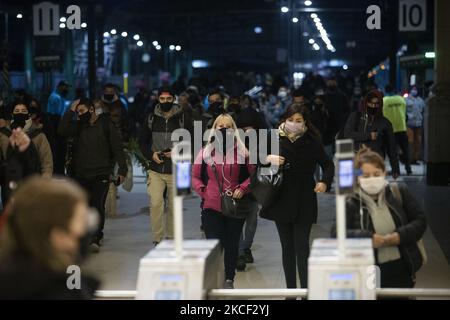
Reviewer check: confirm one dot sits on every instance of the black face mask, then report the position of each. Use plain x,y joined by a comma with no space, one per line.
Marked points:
223,136
372,111
85,117
166,106
19,120
216,107
234,107
108,97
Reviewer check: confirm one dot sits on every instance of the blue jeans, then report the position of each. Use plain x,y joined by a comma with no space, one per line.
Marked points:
248,234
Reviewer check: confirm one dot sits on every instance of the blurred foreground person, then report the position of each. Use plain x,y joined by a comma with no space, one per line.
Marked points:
46,232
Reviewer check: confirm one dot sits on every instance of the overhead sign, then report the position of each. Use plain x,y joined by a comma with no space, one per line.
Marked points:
46,19
412,15
47,62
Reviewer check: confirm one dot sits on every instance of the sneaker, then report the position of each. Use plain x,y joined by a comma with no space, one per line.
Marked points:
240,264
229,284
248,256
155,243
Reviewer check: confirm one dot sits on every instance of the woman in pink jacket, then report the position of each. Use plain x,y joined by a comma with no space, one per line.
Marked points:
230,159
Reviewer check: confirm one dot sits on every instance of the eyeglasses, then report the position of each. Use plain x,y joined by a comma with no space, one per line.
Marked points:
373,105
166,99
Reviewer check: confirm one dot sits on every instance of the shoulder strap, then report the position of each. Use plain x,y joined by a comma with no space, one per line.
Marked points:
396,192
150,118
213,166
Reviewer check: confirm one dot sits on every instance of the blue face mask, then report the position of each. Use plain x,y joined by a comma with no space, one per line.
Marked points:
414,93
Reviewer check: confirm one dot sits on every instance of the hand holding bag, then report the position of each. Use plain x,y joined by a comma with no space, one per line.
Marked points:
266,185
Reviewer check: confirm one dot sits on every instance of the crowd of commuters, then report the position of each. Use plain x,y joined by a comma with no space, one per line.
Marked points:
86,140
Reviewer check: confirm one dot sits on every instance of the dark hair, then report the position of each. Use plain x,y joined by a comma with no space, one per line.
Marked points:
165,89
365,155
216,91
110,85
19,102
86,102
304,111
298,92
36,101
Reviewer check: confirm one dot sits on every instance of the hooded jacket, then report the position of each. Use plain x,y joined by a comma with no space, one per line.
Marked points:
360,125
157,131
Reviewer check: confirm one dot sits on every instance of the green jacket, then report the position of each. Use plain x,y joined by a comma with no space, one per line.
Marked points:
394,109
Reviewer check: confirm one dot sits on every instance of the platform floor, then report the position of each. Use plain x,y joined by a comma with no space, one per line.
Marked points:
128,238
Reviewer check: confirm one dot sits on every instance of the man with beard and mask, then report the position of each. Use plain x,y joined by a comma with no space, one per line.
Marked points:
46,230
41,159
57,105
415,108
216,107
156,144
97,146
113,106
338,107
371,129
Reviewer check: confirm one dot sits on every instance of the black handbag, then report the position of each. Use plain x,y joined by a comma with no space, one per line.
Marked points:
265,186
231,207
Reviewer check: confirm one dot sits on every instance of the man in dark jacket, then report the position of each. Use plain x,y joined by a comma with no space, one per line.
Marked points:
216,107
338,106
371,129
116,109
156,144
97,146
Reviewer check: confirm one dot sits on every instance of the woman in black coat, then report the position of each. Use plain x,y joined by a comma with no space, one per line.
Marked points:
391,216
295,208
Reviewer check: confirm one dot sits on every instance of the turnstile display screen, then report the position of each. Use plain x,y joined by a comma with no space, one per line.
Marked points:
341,294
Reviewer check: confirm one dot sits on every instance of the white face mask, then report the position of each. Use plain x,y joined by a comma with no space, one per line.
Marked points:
373,185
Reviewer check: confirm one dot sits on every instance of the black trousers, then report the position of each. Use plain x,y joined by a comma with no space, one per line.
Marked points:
228,231
401,138
97,190
294,239
395,274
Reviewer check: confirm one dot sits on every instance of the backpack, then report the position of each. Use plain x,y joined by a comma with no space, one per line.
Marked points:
395,189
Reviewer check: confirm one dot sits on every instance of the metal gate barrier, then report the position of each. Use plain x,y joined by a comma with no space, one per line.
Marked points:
283,293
